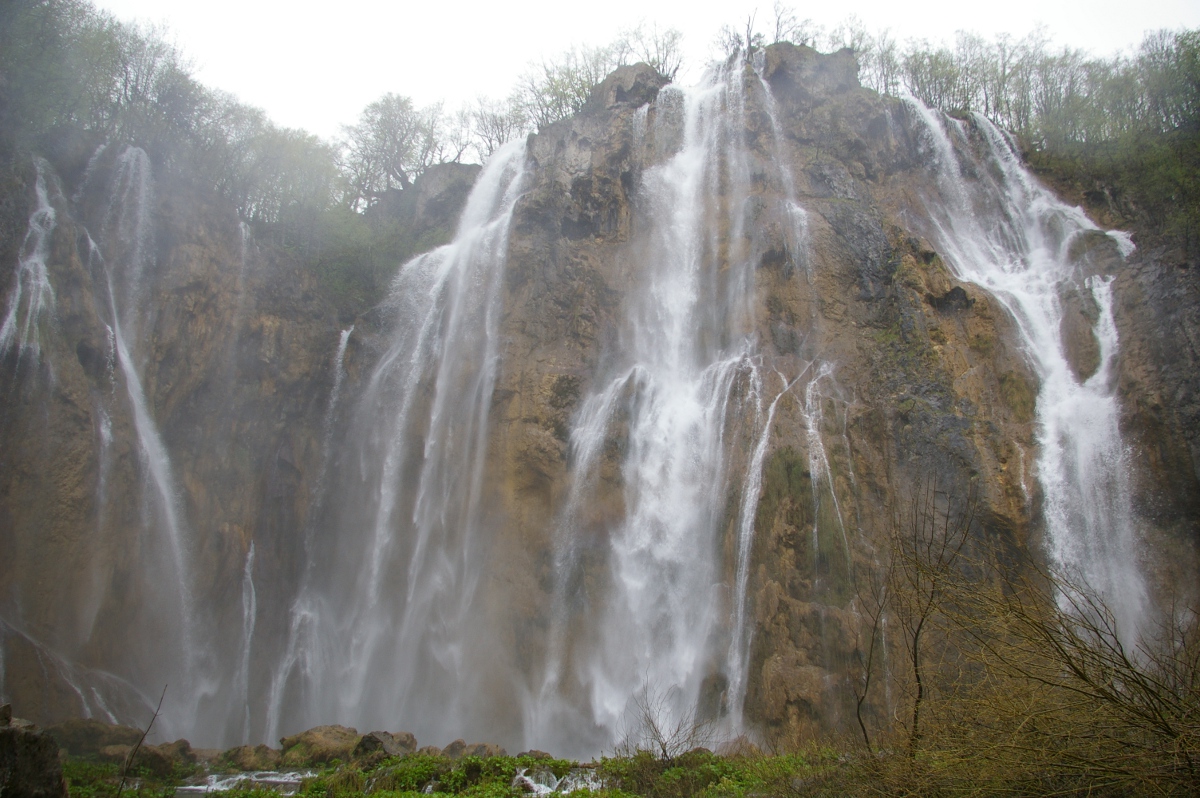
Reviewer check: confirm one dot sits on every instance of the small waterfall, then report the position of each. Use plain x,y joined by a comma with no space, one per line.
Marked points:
339,375
737,661
301,642
1006,233
127,242
249,617
384,630
31,295
95,691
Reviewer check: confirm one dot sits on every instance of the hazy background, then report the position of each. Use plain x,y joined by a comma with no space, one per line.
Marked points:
315,65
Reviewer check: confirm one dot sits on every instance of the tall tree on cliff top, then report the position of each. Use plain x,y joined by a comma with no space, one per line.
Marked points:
392,144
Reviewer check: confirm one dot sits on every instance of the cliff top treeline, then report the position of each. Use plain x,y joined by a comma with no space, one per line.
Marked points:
1122,133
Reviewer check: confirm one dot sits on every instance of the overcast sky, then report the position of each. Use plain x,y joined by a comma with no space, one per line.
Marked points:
315,65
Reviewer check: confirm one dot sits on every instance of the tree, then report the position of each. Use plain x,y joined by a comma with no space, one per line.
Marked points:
659,48
788,28
392,143
494,123
558,88
928,536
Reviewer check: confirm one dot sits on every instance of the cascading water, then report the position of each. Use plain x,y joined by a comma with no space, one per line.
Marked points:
249,618
32,295
1004,232
383,630
120,261
683,400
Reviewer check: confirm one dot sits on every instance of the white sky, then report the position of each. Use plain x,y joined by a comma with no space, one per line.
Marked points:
315,64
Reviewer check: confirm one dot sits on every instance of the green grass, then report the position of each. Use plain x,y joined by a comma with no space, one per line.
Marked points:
698,774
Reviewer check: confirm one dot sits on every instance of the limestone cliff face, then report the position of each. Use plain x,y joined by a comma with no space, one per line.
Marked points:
236,365
915,377
926,382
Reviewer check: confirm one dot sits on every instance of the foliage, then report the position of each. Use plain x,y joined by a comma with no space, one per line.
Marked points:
558,88
392,143
1121,134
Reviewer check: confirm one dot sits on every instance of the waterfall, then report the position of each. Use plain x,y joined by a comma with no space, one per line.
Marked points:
301,643
383,631
741,635
681,410
249,616
120,261
1003,231
32,295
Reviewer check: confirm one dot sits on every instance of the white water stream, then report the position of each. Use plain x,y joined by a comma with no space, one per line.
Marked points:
685,404
123,255
1003,231
32,295
380,634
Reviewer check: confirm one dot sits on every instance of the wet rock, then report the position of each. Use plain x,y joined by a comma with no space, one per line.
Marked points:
386,743
319,745
740,746
1082,348
161,760
534,753
455,750
87,736
430,750
29,764
953,301
247,757
484,750
632,86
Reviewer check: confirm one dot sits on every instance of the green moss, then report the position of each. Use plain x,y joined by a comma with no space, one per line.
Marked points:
1018,396
982,344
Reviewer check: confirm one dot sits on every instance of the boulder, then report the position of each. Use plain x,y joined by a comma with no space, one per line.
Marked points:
430,750
250,757
484,750
319,745
740,746
160,760
386,743
29,765
86,736
455,750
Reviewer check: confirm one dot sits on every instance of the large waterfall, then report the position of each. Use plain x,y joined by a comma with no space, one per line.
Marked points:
380,565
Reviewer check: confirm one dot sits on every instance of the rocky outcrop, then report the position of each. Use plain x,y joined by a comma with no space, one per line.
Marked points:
86,737
386,743
247,758
319,745
29,764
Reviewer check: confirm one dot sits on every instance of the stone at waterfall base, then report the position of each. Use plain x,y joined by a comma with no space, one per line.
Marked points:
29,764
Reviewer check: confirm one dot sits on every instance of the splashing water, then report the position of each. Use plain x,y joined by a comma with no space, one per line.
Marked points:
1009,235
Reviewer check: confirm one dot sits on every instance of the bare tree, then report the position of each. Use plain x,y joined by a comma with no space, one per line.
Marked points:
790,28
494,123
661,48
558,88
871,601
928,537
656,723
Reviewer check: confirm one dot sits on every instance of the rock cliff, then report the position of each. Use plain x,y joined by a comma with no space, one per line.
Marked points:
880,366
